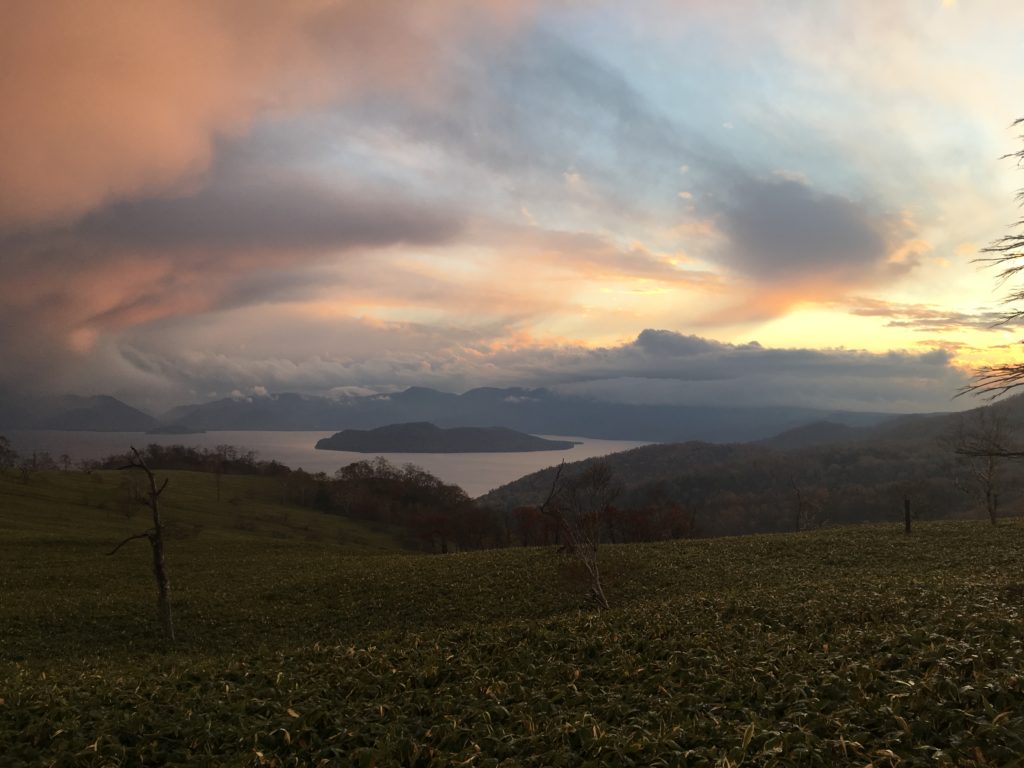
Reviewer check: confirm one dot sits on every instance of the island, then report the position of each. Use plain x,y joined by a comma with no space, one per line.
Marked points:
424,437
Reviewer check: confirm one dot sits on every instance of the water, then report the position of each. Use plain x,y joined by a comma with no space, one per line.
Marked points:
476,473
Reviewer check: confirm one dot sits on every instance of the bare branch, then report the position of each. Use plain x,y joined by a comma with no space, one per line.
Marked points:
1006,254
996,452
156,541
981,443
145,535
544,508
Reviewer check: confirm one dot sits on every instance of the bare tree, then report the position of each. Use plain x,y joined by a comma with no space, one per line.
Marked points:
1006,254
155,535
581,505
981,442
809,505
8,456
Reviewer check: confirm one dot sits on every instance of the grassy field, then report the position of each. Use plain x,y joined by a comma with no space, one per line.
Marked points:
308,640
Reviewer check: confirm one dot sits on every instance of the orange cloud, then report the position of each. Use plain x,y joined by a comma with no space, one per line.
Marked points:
102,100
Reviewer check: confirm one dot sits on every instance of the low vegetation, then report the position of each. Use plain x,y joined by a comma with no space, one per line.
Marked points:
309,639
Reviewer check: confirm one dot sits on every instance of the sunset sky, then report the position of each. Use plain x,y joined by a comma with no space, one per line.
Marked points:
696,202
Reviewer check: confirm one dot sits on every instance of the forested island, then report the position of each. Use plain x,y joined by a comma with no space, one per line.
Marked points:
424,437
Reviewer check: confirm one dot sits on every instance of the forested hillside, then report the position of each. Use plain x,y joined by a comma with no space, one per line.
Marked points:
795,482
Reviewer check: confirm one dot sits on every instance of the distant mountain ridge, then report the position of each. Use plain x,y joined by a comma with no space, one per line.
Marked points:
97,413
533,411
424,437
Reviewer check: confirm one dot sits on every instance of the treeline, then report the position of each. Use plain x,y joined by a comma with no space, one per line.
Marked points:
745,488
666,491
441,517
224,459
433,515
33,462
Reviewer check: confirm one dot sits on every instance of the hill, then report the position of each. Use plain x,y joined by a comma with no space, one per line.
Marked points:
103,507
423,437
841,647
751,488
817,433
98,413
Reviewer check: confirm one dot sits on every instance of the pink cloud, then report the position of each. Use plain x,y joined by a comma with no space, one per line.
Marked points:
104,100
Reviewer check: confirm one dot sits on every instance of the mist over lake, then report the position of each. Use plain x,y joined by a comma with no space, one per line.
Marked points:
476,473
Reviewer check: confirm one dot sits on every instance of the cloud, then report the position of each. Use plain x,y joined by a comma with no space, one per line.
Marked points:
800,244
689,370
241,240
199,197
658,366
781,229
786,243
556,123
283,211
927,317
108,100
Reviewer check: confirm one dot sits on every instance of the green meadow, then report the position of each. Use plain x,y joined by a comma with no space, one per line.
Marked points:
308,639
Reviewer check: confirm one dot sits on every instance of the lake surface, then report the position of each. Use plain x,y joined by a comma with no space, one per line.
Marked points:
476,473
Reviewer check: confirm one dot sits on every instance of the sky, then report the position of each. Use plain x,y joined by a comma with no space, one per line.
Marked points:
694,202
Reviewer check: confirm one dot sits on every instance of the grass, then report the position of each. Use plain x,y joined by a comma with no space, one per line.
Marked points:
98,507
849,646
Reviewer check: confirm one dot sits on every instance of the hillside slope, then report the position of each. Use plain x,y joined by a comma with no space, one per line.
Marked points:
98,413
104,507
749,488
844,647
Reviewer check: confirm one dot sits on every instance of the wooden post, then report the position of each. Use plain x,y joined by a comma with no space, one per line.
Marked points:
906,515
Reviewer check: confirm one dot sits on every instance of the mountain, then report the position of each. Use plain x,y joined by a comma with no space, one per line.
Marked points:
816,433
423,437
534,411
98,413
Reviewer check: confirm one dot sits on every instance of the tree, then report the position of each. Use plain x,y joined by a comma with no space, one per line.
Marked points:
8,456
808,505
981,443
581,505
155,535
1006,254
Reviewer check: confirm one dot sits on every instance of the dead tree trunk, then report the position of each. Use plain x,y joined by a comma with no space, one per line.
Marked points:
155,535
579,507
981,444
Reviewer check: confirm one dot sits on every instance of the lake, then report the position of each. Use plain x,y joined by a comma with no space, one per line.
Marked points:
476,473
